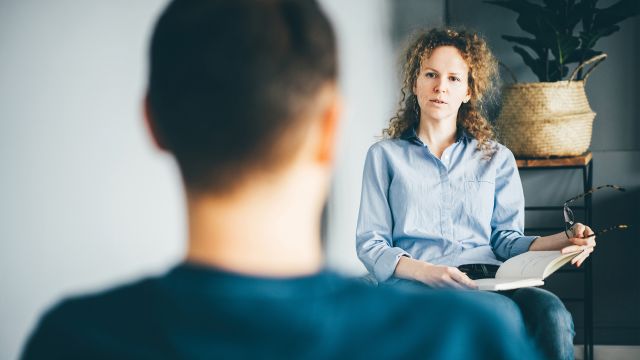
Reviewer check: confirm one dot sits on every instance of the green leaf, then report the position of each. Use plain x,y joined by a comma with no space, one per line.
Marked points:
581,55
615,13
574,15
536,65
555,4
589,39
532,43
528,13
552,26
537,23
565,46
566,14
558,72
588,12
519,6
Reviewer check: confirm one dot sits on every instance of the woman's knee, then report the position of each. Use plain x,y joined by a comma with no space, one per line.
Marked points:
505,306
544,306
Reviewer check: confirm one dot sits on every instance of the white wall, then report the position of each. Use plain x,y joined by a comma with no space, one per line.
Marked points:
86,201
368,67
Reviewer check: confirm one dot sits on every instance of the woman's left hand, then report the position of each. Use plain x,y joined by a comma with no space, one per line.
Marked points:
582,239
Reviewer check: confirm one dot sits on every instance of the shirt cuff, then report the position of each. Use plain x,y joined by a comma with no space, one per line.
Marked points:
522,245
386,264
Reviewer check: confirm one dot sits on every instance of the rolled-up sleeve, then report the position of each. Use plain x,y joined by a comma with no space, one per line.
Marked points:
374,243
507,223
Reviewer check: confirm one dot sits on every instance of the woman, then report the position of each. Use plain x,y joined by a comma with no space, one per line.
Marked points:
440,192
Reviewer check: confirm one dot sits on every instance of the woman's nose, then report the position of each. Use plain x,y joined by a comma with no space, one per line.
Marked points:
440,86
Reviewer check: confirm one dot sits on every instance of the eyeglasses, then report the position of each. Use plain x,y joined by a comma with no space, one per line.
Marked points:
569,217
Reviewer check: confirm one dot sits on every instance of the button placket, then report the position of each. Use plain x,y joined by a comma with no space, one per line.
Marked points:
447,224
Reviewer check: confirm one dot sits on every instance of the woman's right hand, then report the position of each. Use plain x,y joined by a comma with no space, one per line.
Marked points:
440,276
437,276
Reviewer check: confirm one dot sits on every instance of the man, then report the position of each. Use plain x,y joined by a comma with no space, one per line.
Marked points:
244,95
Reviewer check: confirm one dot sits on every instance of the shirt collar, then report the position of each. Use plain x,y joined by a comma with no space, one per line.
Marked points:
410,134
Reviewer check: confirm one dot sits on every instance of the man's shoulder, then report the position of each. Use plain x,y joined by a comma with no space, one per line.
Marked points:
77,324
335,315
109,304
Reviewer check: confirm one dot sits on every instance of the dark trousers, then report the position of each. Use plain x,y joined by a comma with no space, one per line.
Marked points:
543,314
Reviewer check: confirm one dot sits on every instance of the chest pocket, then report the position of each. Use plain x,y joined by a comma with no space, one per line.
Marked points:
478,200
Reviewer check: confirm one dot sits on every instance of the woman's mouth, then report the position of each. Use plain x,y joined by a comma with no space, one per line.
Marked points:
437,101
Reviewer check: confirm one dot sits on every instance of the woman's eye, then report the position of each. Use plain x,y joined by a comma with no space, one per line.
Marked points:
454,78
431,75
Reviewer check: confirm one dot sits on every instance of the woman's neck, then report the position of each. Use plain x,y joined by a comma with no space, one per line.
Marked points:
437,135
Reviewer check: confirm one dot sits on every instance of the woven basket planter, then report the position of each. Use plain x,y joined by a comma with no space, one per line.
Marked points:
548,118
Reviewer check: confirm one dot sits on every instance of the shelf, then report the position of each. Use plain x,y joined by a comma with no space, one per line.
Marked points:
553,162
584,163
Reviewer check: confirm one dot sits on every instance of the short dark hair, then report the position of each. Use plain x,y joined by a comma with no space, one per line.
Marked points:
230,81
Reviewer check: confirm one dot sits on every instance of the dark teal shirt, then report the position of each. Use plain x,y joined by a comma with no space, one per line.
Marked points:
196,312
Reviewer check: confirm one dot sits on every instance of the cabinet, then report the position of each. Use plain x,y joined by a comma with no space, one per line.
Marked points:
583,163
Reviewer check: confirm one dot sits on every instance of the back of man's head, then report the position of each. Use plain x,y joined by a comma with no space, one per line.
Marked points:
231,82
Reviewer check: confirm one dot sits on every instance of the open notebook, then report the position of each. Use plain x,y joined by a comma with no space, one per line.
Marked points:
527,269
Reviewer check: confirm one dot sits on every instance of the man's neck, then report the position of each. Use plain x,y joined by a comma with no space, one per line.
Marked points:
264,229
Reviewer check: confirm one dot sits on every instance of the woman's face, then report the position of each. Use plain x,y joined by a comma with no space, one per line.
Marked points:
442,84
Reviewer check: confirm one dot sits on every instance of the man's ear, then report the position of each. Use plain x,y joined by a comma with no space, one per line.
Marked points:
329,129
151,126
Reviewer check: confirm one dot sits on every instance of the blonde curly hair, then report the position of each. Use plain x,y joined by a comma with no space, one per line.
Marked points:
482,82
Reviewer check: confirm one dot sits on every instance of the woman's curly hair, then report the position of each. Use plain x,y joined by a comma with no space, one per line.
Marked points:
482,82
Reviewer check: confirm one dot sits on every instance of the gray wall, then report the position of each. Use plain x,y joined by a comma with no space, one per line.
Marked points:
613,91
366,82
86,200
371,35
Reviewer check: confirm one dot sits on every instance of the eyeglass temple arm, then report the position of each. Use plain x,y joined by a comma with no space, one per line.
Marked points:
599,232
592,190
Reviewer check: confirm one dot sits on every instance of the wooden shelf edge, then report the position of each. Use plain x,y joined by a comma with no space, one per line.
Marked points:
581,160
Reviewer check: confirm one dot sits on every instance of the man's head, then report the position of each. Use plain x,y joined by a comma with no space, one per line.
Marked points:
234,85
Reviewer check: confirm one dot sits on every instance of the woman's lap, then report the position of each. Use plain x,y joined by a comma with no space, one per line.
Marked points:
541,312
546,320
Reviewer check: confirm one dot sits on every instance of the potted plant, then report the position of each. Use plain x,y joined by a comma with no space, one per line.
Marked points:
536,118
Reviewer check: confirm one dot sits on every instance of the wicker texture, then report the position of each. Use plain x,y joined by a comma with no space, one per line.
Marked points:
547,118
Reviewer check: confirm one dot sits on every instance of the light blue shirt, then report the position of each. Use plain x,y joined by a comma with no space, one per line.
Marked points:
460,209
